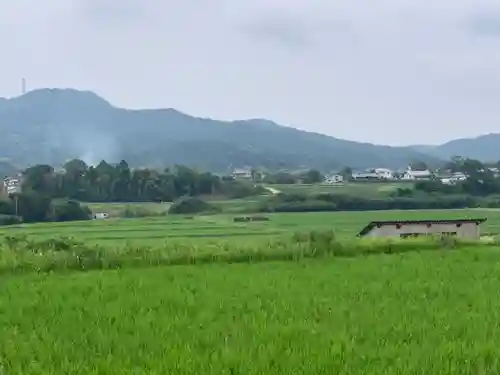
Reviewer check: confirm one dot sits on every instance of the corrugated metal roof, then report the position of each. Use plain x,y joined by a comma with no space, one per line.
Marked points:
374,224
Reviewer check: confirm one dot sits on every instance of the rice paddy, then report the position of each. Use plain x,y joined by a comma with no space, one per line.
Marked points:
407,312
365,189
157,230
417,313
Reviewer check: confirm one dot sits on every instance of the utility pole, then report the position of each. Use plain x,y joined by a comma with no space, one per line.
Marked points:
16,200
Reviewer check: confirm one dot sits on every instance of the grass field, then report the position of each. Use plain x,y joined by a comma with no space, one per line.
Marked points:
157,230
407,312
417,313
117,209
372,189
365,189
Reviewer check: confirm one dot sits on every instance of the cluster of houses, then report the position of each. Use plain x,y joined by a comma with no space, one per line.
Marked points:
384,174
379,174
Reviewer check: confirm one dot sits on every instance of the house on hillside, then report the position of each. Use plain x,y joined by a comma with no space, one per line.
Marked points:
495,171
384,173
366,176
242,173
454,178
411,174
374,174
464,228
334,179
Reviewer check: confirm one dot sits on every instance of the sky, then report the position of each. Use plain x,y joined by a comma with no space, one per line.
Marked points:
391,72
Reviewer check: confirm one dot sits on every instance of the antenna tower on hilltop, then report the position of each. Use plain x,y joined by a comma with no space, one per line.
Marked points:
23,86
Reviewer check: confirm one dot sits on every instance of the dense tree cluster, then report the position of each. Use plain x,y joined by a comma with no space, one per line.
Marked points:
338,202
53,195
31,207
478,179
119,183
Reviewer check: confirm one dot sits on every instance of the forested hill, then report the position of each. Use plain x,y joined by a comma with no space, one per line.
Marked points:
485,147
52,125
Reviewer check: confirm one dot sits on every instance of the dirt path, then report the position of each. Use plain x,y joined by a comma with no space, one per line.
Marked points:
273,191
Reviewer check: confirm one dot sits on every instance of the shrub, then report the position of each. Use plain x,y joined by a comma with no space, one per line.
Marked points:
7,207
131,212
69,210
191,205
242,189
9,220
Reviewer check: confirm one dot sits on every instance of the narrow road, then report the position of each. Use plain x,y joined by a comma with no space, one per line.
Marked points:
273,191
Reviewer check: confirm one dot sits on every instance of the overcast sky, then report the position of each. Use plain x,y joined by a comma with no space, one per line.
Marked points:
384,71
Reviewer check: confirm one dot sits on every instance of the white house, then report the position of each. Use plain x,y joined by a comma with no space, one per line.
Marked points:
448,181
459,176
242,173
361,176
100,215
411,174
384,173
495,171
454,178
374,174
334,179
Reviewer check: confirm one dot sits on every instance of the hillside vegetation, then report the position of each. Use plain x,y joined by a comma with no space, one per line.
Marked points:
52,126
485,148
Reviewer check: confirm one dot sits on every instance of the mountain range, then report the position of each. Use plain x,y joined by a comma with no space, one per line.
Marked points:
54,125
485,148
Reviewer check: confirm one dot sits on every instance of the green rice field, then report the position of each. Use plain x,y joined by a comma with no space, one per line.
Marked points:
365,189
417,313
116,209
157,230
402,311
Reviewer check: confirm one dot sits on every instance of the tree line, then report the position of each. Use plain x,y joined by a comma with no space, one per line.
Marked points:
340,202
119,183
48,194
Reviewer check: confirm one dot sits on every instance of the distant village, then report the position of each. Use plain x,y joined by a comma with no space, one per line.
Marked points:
373,174
13,184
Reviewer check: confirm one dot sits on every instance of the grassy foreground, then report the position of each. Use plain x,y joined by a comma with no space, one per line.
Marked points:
415,313
23,255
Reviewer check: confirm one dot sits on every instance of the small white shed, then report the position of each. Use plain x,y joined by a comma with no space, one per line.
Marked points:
100,216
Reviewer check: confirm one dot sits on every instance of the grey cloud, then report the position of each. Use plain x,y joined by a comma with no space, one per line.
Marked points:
487,24
283,29
111,11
